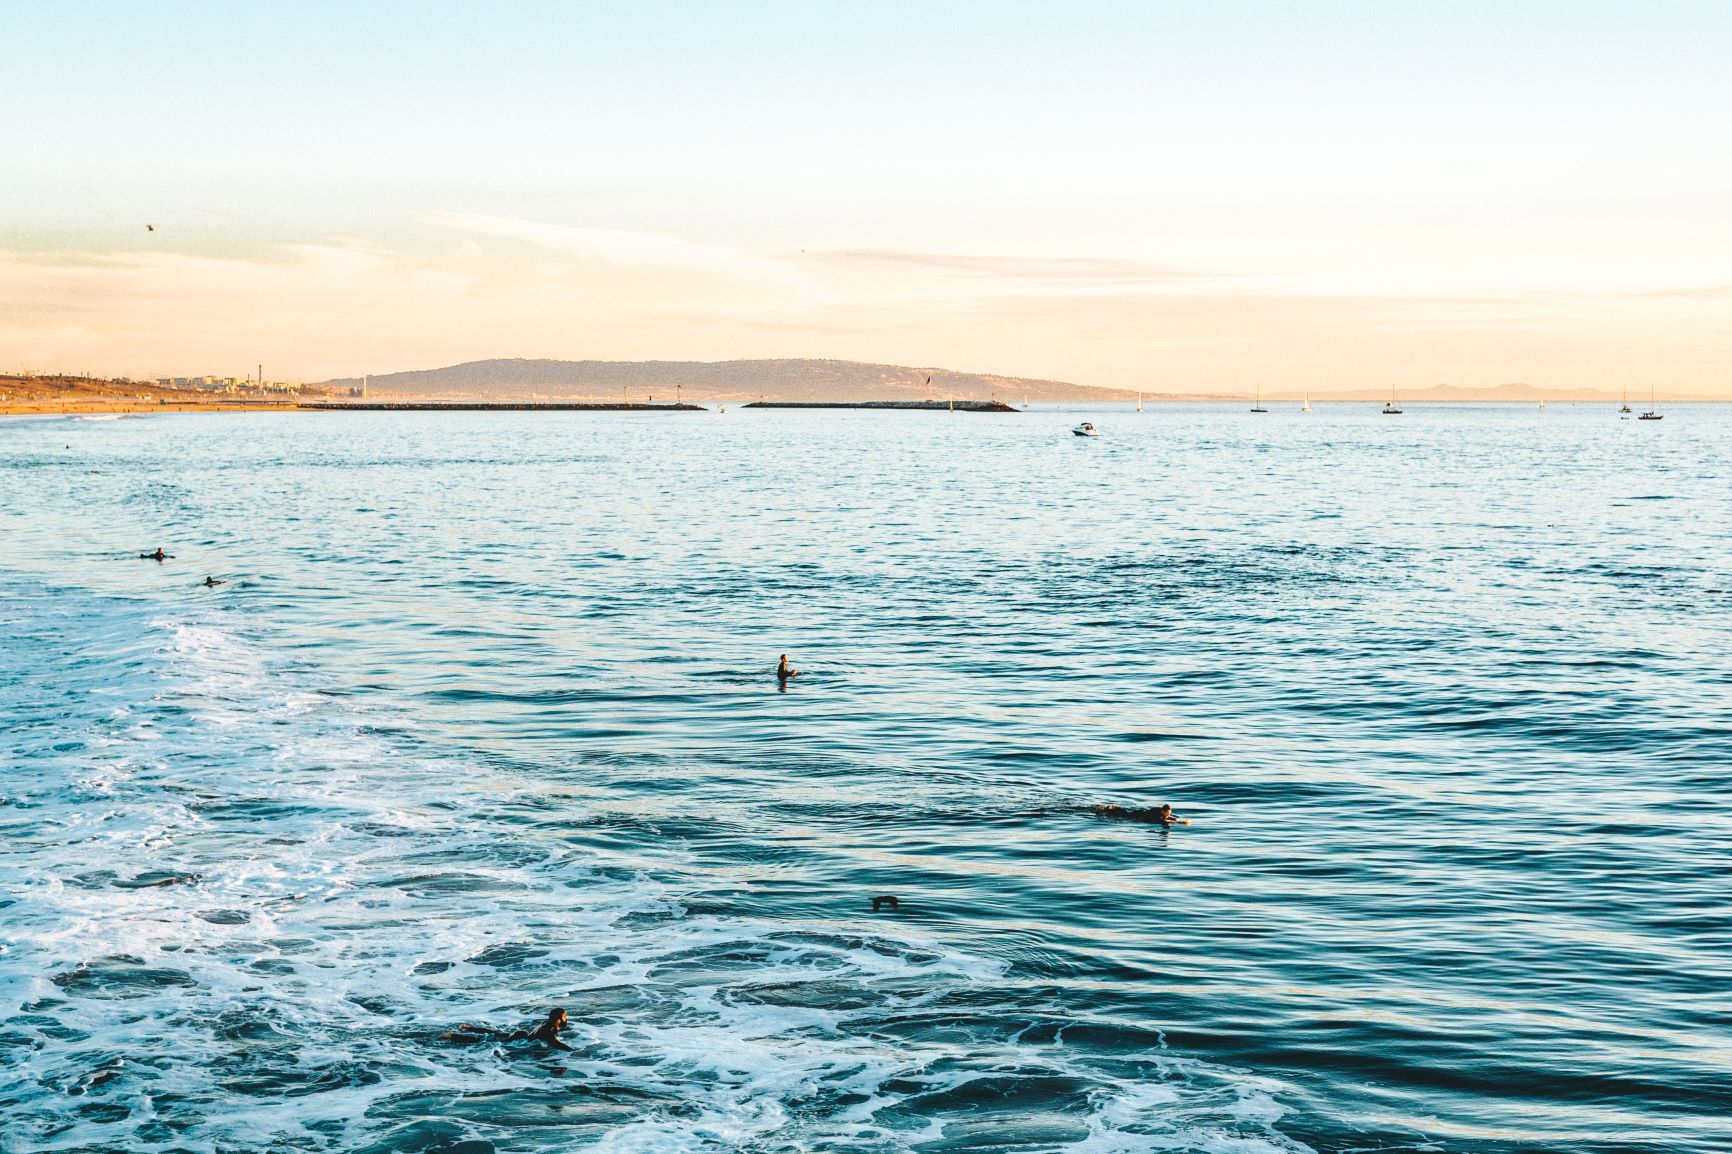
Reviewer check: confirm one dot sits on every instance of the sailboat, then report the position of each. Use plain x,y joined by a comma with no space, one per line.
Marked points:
1306,407
1624,407
1139,402
1653,413
1390,406
1257,399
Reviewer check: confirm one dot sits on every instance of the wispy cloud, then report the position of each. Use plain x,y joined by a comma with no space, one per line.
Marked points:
1713,292
1065,269
646,250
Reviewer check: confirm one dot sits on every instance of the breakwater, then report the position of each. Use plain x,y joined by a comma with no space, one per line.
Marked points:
489,406
942,406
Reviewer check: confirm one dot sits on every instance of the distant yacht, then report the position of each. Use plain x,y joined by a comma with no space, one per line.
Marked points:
1257,400
1542,406
1653,413
1624,407
1086,430
1390,406
1306,407
1139,402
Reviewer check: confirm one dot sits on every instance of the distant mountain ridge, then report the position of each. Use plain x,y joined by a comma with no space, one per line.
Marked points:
750,380
812,380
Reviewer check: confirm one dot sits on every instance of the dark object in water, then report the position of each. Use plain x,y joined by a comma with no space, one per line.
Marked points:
120,976
1163,816
159,555
885,900
547,1033
151,879
784,670
213,582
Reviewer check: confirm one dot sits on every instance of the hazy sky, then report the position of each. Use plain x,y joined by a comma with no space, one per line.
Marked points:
1163,195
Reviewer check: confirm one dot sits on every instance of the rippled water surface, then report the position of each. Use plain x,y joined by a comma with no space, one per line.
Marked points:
483,721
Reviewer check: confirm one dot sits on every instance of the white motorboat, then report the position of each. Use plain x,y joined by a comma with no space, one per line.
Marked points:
1086,430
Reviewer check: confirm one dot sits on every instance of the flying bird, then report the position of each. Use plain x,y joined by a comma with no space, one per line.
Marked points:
150,228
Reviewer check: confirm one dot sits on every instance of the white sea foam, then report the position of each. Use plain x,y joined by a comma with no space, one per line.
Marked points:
246,918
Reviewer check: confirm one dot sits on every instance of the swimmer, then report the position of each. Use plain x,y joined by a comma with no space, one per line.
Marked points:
547,1033
212,582
784,670
886,900
159,555
1164,816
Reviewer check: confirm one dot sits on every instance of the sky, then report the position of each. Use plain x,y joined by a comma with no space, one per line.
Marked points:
1203,196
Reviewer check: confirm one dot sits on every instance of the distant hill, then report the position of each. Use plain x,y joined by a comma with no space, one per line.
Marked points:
828,380
774,380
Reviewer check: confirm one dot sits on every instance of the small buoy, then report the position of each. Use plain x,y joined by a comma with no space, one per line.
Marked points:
883,900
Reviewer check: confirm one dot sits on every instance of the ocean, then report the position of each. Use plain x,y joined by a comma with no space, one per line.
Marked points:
483,721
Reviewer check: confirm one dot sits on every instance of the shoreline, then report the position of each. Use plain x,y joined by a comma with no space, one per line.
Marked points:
78,407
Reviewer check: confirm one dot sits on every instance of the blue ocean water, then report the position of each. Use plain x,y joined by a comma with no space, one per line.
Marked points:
483,721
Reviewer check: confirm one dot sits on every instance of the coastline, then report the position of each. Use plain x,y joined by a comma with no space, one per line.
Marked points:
80,407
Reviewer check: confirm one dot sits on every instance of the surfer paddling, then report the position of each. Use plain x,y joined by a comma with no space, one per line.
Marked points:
1163,816
159,555
546,1034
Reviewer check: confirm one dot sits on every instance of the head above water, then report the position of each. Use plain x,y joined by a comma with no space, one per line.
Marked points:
556,1018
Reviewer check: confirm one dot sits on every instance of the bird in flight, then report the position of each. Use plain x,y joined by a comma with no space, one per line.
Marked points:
150,228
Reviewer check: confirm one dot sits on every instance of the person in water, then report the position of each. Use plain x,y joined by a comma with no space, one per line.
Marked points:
159,555
1164,816
211,582
784,670
546,1034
